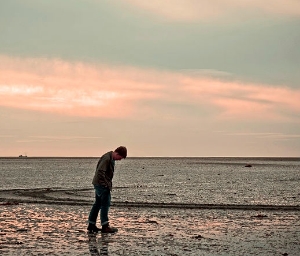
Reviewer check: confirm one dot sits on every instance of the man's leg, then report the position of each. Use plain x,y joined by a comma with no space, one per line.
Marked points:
105,204
95,209
94,213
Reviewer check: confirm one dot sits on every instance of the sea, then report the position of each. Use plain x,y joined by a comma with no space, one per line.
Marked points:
180,180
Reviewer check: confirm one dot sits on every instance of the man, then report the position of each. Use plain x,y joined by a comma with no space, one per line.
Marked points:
102,182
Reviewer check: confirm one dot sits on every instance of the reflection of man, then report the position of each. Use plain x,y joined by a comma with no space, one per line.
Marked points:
102,182
93,246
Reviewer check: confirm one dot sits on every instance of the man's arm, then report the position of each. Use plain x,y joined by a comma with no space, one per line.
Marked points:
101,171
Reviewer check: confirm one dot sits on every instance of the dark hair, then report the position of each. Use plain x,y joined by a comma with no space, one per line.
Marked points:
122,151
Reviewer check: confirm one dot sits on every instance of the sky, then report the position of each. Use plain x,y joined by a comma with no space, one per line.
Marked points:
198,78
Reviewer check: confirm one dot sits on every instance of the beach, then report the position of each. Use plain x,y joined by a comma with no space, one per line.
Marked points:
169,207
54,221
41,229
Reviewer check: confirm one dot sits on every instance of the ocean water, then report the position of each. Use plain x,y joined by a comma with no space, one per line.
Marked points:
270,181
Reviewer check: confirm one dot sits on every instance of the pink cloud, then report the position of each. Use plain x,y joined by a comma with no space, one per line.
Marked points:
71,88
82,89
246,100
193,10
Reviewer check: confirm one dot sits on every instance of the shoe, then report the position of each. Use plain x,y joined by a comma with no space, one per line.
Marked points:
92,228
108,229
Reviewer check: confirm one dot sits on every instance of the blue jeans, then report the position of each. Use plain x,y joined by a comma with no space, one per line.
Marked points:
102,204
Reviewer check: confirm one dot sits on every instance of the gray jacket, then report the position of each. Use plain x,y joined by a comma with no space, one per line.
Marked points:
105,171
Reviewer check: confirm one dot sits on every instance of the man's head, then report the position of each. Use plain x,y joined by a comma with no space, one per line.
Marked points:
120,153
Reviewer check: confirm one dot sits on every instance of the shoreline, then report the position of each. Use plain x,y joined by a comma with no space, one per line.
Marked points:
79,197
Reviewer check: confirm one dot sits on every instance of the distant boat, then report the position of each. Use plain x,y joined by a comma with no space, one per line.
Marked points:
21,156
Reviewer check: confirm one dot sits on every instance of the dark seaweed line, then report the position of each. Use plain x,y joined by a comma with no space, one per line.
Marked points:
209,206
160,205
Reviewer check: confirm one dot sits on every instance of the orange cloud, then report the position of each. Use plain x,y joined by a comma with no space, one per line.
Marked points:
82,89
193,10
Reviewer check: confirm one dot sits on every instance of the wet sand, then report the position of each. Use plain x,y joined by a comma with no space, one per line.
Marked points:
53,222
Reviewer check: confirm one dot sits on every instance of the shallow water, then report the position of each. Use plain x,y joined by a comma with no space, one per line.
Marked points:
271,181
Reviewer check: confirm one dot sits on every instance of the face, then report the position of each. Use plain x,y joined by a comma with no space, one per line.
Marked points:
117,157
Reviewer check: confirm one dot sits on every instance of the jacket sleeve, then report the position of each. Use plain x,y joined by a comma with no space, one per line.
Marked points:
101,171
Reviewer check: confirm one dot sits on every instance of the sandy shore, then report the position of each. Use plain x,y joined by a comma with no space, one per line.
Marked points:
58,229
50,221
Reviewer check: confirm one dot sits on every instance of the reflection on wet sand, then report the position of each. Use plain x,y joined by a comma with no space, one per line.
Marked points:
38,229
102,243
99,243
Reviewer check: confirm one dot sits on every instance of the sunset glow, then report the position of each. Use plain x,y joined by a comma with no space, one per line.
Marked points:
171,78
84,90
191,10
